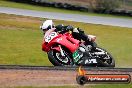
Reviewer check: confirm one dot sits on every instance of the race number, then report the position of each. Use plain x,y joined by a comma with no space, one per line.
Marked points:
50,37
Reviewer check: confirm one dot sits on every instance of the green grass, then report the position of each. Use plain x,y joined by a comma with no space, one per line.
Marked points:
21,47
113,86
85,86
21,39
5,3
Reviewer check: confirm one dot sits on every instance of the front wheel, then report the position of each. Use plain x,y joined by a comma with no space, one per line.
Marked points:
57,59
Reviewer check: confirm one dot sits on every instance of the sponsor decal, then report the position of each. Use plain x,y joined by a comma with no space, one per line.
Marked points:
83,78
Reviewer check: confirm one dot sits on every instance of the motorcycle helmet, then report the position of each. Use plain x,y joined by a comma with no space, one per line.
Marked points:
48,24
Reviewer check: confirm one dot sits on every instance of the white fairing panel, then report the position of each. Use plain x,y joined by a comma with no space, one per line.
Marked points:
50,36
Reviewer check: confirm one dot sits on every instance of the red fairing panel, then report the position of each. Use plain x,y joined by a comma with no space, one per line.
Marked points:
44,47
65,40
70,43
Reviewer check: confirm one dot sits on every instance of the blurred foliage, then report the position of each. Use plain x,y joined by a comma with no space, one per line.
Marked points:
104,6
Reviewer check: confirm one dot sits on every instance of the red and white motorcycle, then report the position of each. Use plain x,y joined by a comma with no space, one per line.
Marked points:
63,50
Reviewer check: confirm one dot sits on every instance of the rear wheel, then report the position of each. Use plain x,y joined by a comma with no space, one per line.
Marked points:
57,59
106,59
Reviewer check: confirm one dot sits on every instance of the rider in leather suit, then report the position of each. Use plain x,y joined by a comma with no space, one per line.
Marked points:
77,33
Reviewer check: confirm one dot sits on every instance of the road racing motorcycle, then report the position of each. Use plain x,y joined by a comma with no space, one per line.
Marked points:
64,50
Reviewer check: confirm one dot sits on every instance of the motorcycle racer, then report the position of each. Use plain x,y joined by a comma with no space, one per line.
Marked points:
48,27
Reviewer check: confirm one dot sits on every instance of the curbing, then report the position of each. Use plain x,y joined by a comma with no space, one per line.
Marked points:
62,68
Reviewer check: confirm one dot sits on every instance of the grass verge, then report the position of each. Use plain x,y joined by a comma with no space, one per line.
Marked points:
5,3
85,86
21,38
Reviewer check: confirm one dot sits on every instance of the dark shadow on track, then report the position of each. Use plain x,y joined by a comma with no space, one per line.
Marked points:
73,68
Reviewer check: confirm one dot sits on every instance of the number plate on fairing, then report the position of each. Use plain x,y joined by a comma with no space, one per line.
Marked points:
50,37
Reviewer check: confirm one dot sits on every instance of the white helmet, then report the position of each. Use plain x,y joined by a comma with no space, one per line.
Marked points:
48,24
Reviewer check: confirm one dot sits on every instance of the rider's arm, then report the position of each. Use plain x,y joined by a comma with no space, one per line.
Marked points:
62,29
59,28
79,34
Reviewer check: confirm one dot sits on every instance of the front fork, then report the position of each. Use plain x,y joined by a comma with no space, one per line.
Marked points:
61,51
63,55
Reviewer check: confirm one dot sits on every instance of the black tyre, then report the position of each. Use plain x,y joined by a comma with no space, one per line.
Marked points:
57,60
107,60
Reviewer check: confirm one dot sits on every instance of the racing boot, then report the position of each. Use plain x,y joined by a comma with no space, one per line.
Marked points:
91,46
89,40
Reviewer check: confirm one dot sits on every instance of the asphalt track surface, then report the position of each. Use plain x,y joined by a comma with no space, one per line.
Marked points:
38,76
122,22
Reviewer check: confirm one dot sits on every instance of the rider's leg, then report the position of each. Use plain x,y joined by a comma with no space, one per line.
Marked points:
88,41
